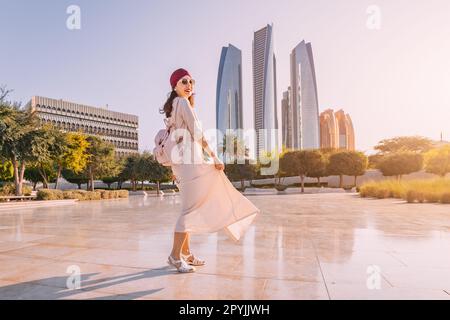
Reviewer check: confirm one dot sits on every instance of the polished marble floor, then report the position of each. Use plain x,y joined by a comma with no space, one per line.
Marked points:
312,246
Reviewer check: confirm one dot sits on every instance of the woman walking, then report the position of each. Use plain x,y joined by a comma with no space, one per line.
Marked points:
209,201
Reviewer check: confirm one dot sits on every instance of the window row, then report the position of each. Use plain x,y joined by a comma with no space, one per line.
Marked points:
93,129
124,153
86,114
124,144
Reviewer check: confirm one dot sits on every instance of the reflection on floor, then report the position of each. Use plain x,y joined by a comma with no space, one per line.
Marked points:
313,246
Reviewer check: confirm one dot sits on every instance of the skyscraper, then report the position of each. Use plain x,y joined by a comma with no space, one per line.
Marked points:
229,91
328,130
305,105
286,119
336,130
346,132
265,91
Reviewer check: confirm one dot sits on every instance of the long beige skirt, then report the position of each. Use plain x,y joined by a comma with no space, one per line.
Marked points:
210,202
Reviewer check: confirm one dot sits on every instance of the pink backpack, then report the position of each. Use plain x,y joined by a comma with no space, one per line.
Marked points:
164,142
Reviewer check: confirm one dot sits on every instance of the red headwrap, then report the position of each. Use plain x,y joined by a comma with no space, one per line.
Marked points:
177,75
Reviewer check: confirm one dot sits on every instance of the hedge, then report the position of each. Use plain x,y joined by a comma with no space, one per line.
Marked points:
82,195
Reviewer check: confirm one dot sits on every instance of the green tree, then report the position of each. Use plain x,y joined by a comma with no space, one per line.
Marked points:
110,180
129,171
101,160
288,164
17,131
157,173
75,178
143,167
233,149
401,163
320,169
346,163
44,147
236,159
70,152
116,169
374,160
6,170
34,175
357,165
437,161
408,144
310,163
240,172
302,163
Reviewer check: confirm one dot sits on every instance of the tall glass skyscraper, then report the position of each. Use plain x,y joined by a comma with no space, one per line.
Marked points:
265,91
305,105
286,120
229,92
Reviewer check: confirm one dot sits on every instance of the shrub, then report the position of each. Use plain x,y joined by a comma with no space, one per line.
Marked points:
280,187
123,193
9,189
367,190
93,196
382,193
411,196
411,191
445,197
420,196
82,195
111,194
48,194
74,194
432,197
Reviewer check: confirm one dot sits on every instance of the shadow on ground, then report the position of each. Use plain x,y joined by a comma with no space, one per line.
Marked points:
55,288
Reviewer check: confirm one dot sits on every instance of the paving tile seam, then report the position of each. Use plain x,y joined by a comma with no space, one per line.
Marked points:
80,262
109,265
320,268
57,258
233,275
412,287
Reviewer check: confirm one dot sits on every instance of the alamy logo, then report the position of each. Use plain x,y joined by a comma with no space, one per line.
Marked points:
73,22
374,17
74,280
374,280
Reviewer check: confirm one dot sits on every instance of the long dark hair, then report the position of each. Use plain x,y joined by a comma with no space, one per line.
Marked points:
167,108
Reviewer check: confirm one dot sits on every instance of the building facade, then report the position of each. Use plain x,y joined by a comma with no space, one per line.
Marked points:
304,98
265,91
346,132
118,128
229,113
336,130
286,120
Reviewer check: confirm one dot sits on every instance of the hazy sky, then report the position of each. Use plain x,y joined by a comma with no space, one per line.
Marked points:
393,81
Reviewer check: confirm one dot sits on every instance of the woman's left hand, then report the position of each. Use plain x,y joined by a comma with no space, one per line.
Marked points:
218,164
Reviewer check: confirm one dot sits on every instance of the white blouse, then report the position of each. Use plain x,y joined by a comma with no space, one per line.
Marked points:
187,125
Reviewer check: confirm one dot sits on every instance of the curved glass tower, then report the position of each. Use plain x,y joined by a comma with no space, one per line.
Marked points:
229,91
265,91
305,105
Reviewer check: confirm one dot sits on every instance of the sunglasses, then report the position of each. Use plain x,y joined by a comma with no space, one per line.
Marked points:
186,81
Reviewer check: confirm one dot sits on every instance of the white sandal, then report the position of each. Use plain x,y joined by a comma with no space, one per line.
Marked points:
180,265
193,260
